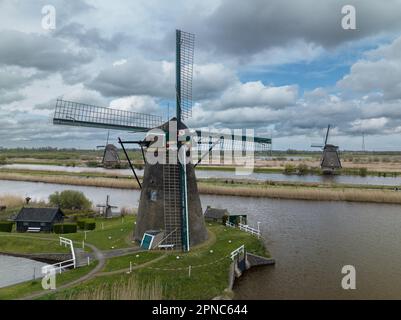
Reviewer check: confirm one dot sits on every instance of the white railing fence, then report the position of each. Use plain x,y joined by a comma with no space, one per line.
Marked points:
229,224
237,251
60,266
246,228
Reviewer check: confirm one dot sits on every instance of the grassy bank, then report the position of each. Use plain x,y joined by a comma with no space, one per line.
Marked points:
11,243
109,234
168,278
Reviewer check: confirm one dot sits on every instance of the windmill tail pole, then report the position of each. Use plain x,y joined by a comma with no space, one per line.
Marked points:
327,135
129,162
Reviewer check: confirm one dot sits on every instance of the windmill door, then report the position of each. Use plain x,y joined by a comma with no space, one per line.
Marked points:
147,241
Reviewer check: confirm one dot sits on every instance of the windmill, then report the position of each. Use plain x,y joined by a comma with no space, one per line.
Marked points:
107,212
169,200
110,157
330,161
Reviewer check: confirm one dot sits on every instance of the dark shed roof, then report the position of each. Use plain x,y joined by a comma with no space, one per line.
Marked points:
38,214
215,213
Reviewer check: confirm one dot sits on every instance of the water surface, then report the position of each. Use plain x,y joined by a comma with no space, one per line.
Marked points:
343,179
15,270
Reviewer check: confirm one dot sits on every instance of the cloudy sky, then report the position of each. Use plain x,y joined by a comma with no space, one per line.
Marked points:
285,68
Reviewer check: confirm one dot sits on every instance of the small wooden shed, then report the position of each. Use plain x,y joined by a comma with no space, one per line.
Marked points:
215,214
38,219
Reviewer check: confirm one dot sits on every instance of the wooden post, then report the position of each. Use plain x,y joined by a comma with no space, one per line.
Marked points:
189,271
102,226
83,244
88,261
130,267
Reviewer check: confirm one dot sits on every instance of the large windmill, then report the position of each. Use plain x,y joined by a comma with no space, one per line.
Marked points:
169,198
330,161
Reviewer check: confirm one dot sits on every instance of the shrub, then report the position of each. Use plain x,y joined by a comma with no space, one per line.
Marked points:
61,228
289,168
81,223
126,211
86,224
224,219
302,168
6,226
70,199
90,224
92,164
139,166
363,172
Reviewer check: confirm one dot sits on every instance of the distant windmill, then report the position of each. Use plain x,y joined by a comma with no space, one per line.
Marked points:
169,200
330,161
110,158
107,212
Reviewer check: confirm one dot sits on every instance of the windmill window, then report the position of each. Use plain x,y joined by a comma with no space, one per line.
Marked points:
153,195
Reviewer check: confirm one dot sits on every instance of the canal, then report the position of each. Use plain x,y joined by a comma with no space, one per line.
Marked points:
310,240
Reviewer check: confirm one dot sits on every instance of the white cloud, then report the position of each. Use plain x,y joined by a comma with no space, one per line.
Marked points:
369,125
379,71
142,104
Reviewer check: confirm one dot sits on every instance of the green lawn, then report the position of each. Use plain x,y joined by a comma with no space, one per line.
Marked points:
17,243
23,289
115,235
209,273
137,258
118,229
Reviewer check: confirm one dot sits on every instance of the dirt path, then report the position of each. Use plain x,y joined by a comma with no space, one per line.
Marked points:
143,265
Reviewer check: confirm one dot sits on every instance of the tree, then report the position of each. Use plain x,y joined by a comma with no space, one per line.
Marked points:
70,199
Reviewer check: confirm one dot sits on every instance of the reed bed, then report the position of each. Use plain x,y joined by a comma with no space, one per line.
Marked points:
11,201
279,192
71,180
323,194
130,289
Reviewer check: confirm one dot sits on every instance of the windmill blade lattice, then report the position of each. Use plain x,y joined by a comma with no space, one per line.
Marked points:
85,115
203,139
185,60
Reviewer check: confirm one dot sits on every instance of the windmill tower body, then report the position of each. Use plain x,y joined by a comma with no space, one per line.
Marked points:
110,157
159,210
330,160
160,204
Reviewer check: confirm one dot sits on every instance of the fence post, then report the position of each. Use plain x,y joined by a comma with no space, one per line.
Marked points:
189,271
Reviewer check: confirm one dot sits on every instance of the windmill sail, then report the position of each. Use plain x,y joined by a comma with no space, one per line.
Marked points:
185,44
85,115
